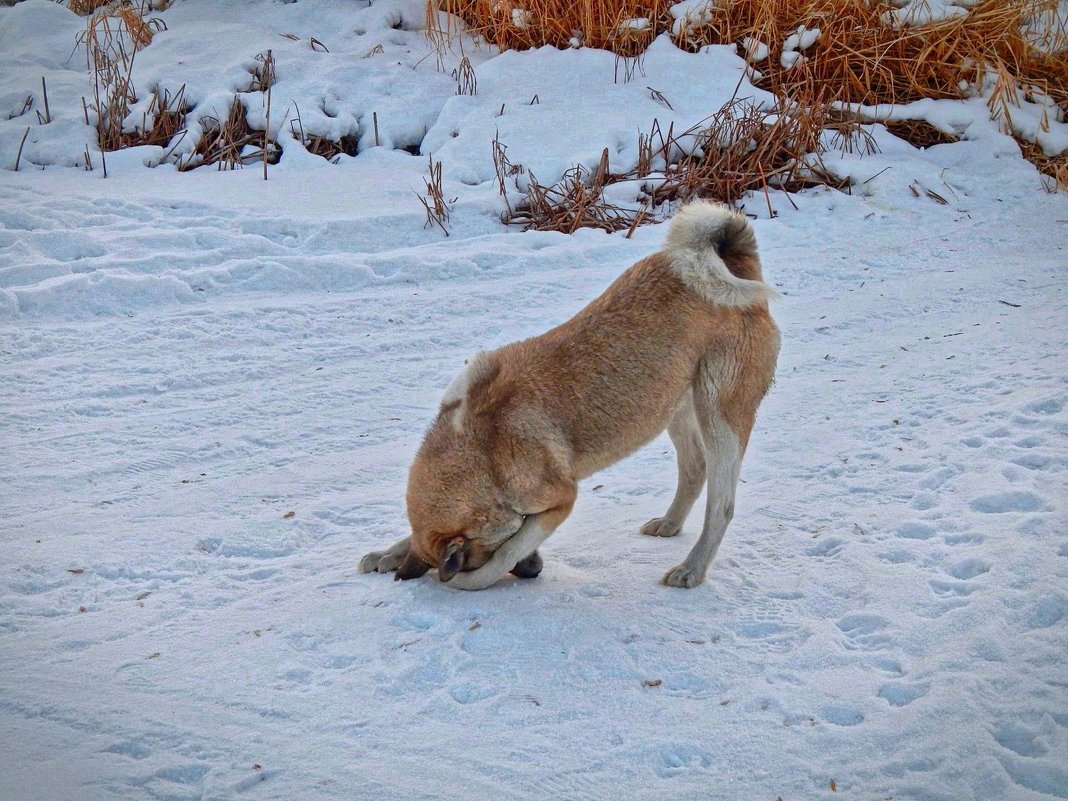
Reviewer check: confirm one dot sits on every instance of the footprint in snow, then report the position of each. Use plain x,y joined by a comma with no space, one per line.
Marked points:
964,538
842,715
826,548
1046,613
968,569
678,759
924,501
1048,406
864,632
915,531
1025,755
900,693
1020,739
939,477
1004,502
951,589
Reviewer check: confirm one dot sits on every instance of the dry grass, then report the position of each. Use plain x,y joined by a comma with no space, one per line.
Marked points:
919,133
522,24
320,145
139,29
162,121
85,7
576,201
466,81
223,143
112,36
1055,168
434,203
859,57
744,148
740,149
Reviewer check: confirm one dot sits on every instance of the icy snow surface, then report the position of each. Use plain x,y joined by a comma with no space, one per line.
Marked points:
211,387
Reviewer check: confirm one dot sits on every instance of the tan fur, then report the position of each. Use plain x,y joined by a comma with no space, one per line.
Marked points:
526,422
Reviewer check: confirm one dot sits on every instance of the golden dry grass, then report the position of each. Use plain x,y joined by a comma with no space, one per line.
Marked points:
223,143
741,148
522,24
861,56
1055,168
84,7
858,57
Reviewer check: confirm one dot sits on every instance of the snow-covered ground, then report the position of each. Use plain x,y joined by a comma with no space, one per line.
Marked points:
211,387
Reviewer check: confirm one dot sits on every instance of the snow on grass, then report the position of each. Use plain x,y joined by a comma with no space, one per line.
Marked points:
212,387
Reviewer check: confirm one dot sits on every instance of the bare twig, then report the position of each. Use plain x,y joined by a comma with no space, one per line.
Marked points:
268,71
18,156
464,75
44,91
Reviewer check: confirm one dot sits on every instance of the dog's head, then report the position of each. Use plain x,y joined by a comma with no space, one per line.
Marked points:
459,517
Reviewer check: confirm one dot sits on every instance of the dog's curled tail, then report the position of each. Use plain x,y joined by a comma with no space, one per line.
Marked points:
714,250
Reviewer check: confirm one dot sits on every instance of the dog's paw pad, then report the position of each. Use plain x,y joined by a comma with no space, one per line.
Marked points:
661,527
682,576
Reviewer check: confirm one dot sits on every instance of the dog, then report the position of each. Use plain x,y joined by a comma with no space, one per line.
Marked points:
682,340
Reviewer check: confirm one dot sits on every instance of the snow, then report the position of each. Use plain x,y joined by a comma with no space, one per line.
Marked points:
801,39
916,13
755,50
188,358
689,14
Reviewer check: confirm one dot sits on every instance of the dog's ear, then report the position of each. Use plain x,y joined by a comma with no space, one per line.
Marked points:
412,567
452,559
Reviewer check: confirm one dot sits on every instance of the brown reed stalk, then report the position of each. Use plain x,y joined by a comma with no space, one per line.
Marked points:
464,75
22,142
434,203
222,142
268,79
112,36
44,93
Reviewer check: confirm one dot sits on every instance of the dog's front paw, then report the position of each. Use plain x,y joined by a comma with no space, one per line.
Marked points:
683,576
380,562
661,527
528,567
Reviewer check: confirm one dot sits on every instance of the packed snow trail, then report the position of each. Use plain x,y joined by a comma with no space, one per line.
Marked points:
887,611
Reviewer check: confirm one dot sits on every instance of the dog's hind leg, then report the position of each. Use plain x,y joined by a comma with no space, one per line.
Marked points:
723,455
387,560
690,453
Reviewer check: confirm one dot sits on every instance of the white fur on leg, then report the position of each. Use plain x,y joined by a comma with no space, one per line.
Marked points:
520,545
690,451
724,462
388,560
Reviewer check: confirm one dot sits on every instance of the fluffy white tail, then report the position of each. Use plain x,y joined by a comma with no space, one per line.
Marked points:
714,251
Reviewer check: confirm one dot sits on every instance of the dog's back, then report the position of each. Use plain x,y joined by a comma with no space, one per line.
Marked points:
611,377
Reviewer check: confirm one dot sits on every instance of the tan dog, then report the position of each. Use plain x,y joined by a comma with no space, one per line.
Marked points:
682,340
